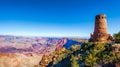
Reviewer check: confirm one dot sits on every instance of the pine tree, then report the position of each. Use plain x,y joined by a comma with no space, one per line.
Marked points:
74,62
117,37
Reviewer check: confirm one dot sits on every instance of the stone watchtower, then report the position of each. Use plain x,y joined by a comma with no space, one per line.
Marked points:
100,30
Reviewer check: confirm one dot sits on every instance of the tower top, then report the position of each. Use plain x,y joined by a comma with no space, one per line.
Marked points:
100,16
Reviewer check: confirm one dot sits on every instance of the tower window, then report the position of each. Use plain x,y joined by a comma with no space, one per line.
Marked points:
102,17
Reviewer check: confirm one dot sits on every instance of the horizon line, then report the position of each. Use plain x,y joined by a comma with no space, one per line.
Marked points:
45,36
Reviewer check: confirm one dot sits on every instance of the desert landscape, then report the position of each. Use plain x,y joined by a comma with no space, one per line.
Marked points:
59,33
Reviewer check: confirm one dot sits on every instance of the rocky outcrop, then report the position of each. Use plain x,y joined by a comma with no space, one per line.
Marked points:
116,49
53,58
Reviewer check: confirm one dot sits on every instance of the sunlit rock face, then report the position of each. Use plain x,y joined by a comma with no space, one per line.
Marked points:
26,51
18,60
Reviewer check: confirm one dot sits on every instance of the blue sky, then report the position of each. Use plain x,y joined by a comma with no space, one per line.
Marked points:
67,18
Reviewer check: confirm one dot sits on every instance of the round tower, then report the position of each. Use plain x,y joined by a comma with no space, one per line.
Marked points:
100,29
100,24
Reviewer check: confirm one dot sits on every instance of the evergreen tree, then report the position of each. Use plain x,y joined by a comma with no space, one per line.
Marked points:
74,62
117,37
91,60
